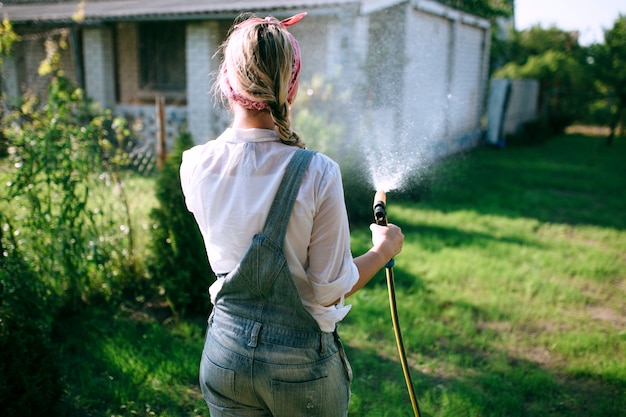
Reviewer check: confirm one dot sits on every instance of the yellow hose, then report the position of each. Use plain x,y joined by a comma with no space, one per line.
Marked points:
380,216
396,330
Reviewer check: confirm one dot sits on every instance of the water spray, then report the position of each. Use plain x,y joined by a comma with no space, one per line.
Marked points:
380,217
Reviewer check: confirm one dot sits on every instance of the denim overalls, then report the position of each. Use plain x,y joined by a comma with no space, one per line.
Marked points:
264,354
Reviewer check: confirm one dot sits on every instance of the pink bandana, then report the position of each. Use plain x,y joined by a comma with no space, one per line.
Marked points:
295,69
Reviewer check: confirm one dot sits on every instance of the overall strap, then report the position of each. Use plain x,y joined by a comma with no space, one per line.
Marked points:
280,211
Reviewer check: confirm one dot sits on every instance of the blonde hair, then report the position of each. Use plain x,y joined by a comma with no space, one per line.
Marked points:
257,71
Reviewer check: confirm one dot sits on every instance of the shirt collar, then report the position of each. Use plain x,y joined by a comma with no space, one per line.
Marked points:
249,135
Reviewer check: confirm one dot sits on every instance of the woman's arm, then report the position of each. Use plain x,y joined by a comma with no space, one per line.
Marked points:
387,242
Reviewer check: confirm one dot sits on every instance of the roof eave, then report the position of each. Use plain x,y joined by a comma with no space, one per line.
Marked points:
100,12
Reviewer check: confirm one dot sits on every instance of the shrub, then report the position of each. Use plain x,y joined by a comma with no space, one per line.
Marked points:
30,382
66,156
557,122
358,192
178,264
531,132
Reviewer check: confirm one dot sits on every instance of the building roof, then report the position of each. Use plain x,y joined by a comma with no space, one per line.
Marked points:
97,11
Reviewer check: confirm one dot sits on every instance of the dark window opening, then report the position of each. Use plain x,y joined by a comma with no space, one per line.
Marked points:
162,56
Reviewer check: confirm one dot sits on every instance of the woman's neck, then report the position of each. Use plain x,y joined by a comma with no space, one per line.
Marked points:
251,119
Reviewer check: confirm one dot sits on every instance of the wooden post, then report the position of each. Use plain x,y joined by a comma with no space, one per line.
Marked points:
161,134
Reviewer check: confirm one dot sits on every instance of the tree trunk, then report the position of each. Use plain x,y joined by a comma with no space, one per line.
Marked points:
614,122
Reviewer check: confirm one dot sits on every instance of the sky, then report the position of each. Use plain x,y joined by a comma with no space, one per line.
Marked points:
589,17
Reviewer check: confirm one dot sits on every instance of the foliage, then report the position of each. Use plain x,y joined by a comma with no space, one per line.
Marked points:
61,152
564,87
584,84
178,261
66,155
555,59
30,380
489,9
7,38
609,67
59,244
521,45
358,193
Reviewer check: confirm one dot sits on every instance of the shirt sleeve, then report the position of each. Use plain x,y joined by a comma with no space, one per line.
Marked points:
331,271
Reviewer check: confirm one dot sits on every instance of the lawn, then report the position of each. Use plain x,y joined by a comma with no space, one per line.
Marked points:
511,290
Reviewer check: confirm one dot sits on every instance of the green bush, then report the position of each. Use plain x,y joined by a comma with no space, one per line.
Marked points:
178,264
358,192
531,132
30,383
65,157
557,122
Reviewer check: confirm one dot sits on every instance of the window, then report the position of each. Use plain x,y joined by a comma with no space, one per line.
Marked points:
162,56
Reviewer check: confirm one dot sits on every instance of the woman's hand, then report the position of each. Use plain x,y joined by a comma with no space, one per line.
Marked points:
387,240
387,243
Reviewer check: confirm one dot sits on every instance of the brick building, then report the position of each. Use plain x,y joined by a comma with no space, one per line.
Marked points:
420,66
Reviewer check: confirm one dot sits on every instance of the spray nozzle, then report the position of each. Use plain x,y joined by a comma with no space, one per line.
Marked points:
380,213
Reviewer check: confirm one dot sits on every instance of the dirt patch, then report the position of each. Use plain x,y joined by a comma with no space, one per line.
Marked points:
588,130
536,354
155,310
607,315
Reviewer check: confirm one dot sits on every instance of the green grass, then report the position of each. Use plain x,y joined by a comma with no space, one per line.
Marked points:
511,289
122,363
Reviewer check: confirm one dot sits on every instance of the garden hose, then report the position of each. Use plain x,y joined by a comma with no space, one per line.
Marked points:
380,216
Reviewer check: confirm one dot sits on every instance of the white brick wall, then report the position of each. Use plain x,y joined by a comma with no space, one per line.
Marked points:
317,38
438,91
99,60
202,41
426,75
466,101
10,80
445,79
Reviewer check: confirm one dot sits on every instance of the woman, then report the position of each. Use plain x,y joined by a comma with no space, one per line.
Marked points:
280,249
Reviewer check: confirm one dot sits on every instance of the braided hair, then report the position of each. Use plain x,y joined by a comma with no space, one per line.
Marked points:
260,70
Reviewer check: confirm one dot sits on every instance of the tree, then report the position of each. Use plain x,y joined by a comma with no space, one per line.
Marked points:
558,62
537,40
178,263
489,9
609,67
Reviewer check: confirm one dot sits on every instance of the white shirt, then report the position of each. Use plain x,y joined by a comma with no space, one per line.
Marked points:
229,185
